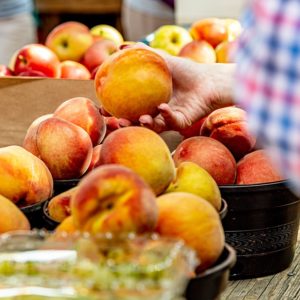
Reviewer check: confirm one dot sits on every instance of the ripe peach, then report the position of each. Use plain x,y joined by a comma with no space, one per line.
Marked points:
95,162
23,176
256,167
59,206
199,51
83,112
65,148
12,218
225,51
212,30
209,154
143,151
113,198
228,125
193,130
195,221
66,226
133,82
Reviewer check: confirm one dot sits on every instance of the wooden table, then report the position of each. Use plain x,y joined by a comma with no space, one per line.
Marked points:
282,286
51,11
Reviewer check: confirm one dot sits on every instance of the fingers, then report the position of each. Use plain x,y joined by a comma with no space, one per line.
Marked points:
157,124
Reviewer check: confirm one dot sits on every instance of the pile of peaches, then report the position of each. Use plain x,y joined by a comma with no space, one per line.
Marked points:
129,181
74,51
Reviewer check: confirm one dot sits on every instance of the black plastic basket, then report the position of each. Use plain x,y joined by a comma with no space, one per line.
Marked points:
262,225
63,185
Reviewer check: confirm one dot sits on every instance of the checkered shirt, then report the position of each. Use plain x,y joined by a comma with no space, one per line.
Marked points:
268,80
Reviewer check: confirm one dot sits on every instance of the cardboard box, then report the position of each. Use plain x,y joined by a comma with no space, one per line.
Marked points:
24,99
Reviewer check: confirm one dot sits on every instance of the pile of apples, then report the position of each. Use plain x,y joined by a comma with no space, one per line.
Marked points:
208,40
71,50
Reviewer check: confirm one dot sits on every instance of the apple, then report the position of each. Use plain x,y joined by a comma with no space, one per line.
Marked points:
107,32
143,151
64,147
5,71
69,40
12,218
170,38
191,178
212,30
133,82
115,199
194,220
83,112
97,53
199,51
24,178
74,70
36,60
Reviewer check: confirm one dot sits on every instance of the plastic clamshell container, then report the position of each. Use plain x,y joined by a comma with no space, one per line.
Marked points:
261,225
39,265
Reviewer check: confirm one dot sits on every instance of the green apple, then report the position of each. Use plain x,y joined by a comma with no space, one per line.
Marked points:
171,38
193,179
107,32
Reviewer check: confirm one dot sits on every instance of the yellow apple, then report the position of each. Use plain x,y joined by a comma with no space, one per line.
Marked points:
107,32
170,38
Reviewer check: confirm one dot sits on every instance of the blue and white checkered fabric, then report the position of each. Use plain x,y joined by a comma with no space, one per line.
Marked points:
268,80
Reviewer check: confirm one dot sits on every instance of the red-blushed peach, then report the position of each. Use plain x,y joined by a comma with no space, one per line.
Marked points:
209,154
64,147
24,178
199,51
133,82
95,162
256,167
193,130
59,206
229,126
12,218
83,112
29,142
195,221
74,70
212,30
112,198
143,151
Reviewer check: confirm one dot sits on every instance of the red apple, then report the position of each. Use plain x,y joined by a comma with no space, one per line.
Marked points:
5,71
74,70
199,51
98,52
69,40
37,60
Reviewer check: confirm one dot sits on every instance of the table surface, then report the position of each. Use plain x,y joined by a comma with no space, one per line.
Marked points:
282,286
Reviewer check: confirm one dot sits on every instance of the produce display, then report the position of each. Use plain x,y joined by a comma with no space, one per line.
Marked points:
129,181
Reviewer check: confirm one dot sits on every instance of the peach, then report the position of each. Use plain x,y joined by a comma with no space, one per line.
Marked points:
195,221
66,226
74,70
212,30
98,53
113,198
69,40
83,112
59,206
24,178
193,130
199,51
65,148
228,125
256,167
95,162
133,82
225,51
12,218
143,151
209,154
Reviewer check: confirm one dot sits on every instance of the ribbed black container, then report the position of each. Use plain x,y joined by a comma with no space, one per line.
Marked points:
210,284
63,185
261,225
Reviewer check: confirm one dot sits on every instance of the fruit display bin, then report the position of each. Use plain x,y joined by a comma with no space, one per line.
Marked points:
262,225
